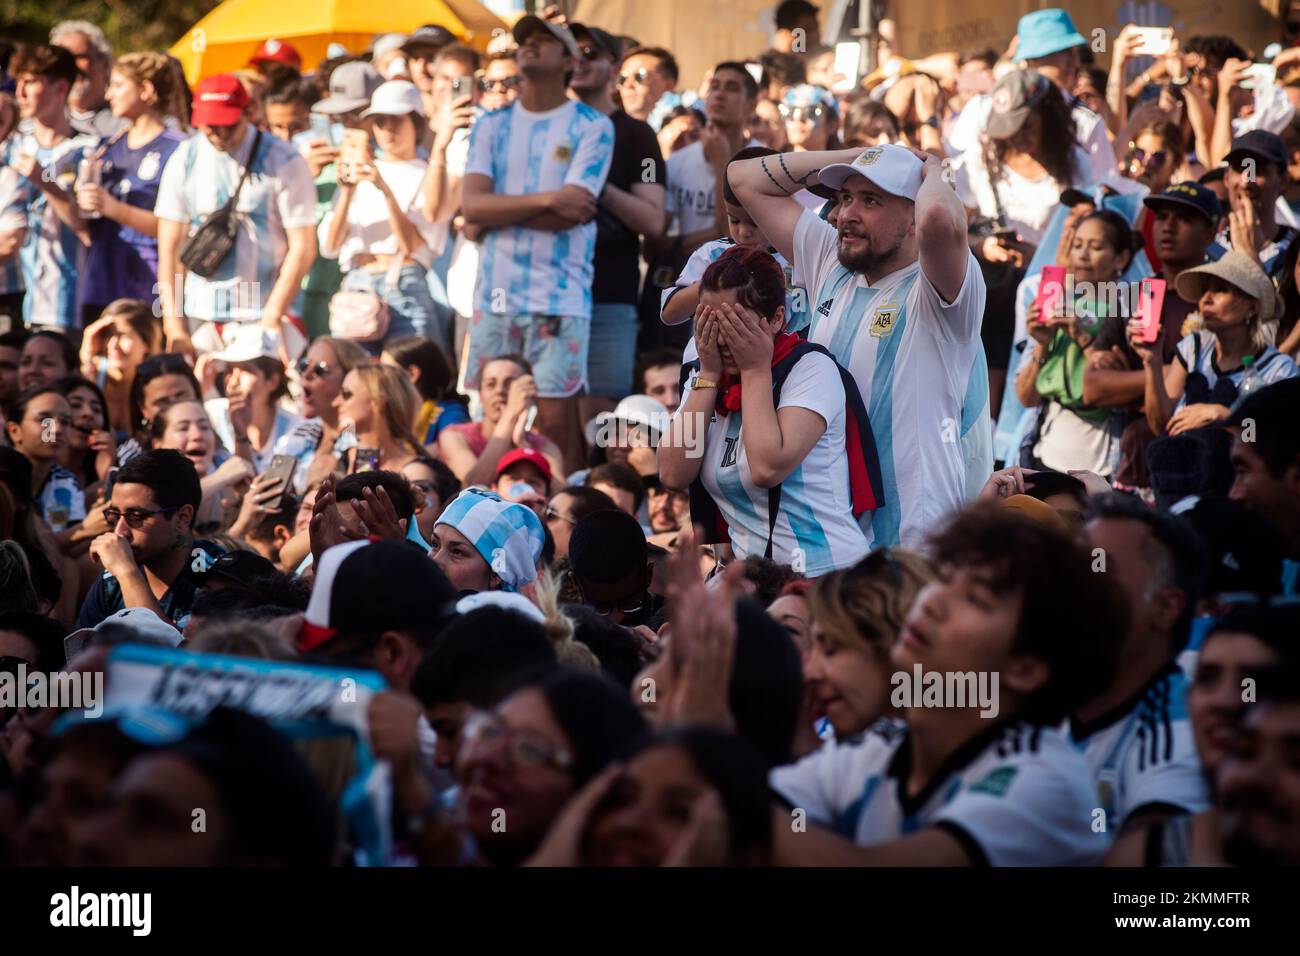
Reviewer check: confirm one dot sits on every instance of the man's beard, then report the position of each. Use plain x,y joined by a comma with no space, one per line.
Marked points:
868,261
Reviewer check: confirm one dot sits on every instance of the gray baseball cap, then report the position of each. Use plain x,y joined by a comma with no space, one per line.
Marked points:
351,86
1013,97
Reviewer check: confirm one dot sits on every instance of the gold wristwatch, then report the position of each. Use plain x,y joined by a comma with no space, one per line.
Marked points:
703,383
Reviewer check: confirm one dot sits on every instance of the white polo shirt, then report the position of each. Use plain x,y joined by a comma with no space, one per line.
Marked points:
920,368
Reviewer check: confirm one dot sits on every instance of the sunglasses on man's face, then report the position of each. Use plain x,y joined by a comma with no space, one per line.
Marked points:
590,52
134,519
639,77
502,85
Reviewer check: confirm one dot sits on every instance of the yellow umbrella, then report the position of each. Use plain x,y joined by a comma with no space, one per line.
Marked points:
224,39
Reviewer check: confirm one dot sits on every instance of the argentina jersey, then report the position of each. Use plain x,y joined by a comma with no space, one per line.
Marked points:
796,297
14,200
1143,755
526,271
1014,795
52,258
278,195
813,531
918,364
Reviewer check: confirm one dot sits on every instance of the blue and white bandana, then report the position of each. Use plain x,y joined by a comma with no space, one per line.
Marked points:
507,535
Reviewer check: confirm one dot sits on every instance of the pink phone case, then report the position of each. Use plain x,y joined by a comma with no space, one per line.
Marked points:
1051,292
1151,302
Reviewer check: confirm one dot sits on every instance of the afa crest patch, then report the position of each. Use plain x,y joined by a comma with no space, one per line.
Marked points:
882,322
997,782
869,156
563,153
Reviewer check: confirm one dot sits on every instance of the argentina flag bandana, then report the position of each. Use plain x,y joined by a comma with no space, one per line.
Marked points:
507,535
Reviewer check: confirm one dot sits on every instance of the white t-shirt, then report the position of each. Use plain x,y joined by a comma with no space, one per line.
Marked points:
1027,203
1144,753
814,529
279,195
1023,798
535,271
369,229
692,182
917,361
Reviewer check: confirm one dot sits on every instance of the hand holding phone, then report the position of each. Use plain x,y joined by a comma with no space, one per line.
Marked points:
367,459
1151,302
1050,300
1152,41
279,477
354,152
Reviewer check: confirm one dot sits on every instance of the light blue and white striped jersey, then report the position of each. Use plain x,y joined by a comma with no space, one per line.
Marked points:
1015,795
536,271
796,297
14,201
815,532
1196,354
52,256
1143,752
279,195
61,501
919,365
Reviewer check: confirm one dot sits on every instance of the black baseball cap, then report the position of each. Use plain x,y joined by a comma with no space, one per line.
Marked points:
373,586
428,37
1188,195
1258,144
244,568
606,42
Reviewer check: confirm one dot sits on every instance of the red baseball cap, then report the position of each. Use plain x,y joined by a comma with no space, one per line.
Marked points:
277,51
219,101
530,455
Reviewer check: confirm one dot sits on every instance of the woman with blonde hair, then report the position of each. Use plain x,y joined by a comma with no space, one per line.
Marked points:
857,614
377,403
1239,310
117,204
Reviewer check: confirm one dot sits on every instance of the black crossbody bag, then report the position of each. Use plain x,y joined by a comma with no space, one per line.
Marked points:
212,241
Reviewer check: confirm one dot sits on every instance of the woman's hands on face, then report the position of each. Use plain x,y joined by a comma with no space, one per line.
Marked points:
708,342
746,338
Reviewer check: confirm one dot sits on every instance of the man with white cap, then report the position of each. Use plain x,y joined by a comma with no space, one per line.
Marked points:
897,298
387,57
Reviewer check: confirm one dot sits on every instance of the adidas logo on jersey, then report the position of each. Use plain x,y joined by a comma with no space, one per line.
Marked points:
825,307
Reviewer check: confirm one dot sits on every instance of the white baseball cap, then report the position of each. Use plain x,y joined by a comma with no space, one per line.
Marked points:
147,628
895,169
635,409
395,98
385,43
250,341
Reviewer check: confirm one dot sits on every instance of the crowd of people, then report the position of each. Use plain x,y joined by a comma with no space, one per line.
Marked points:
444,457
